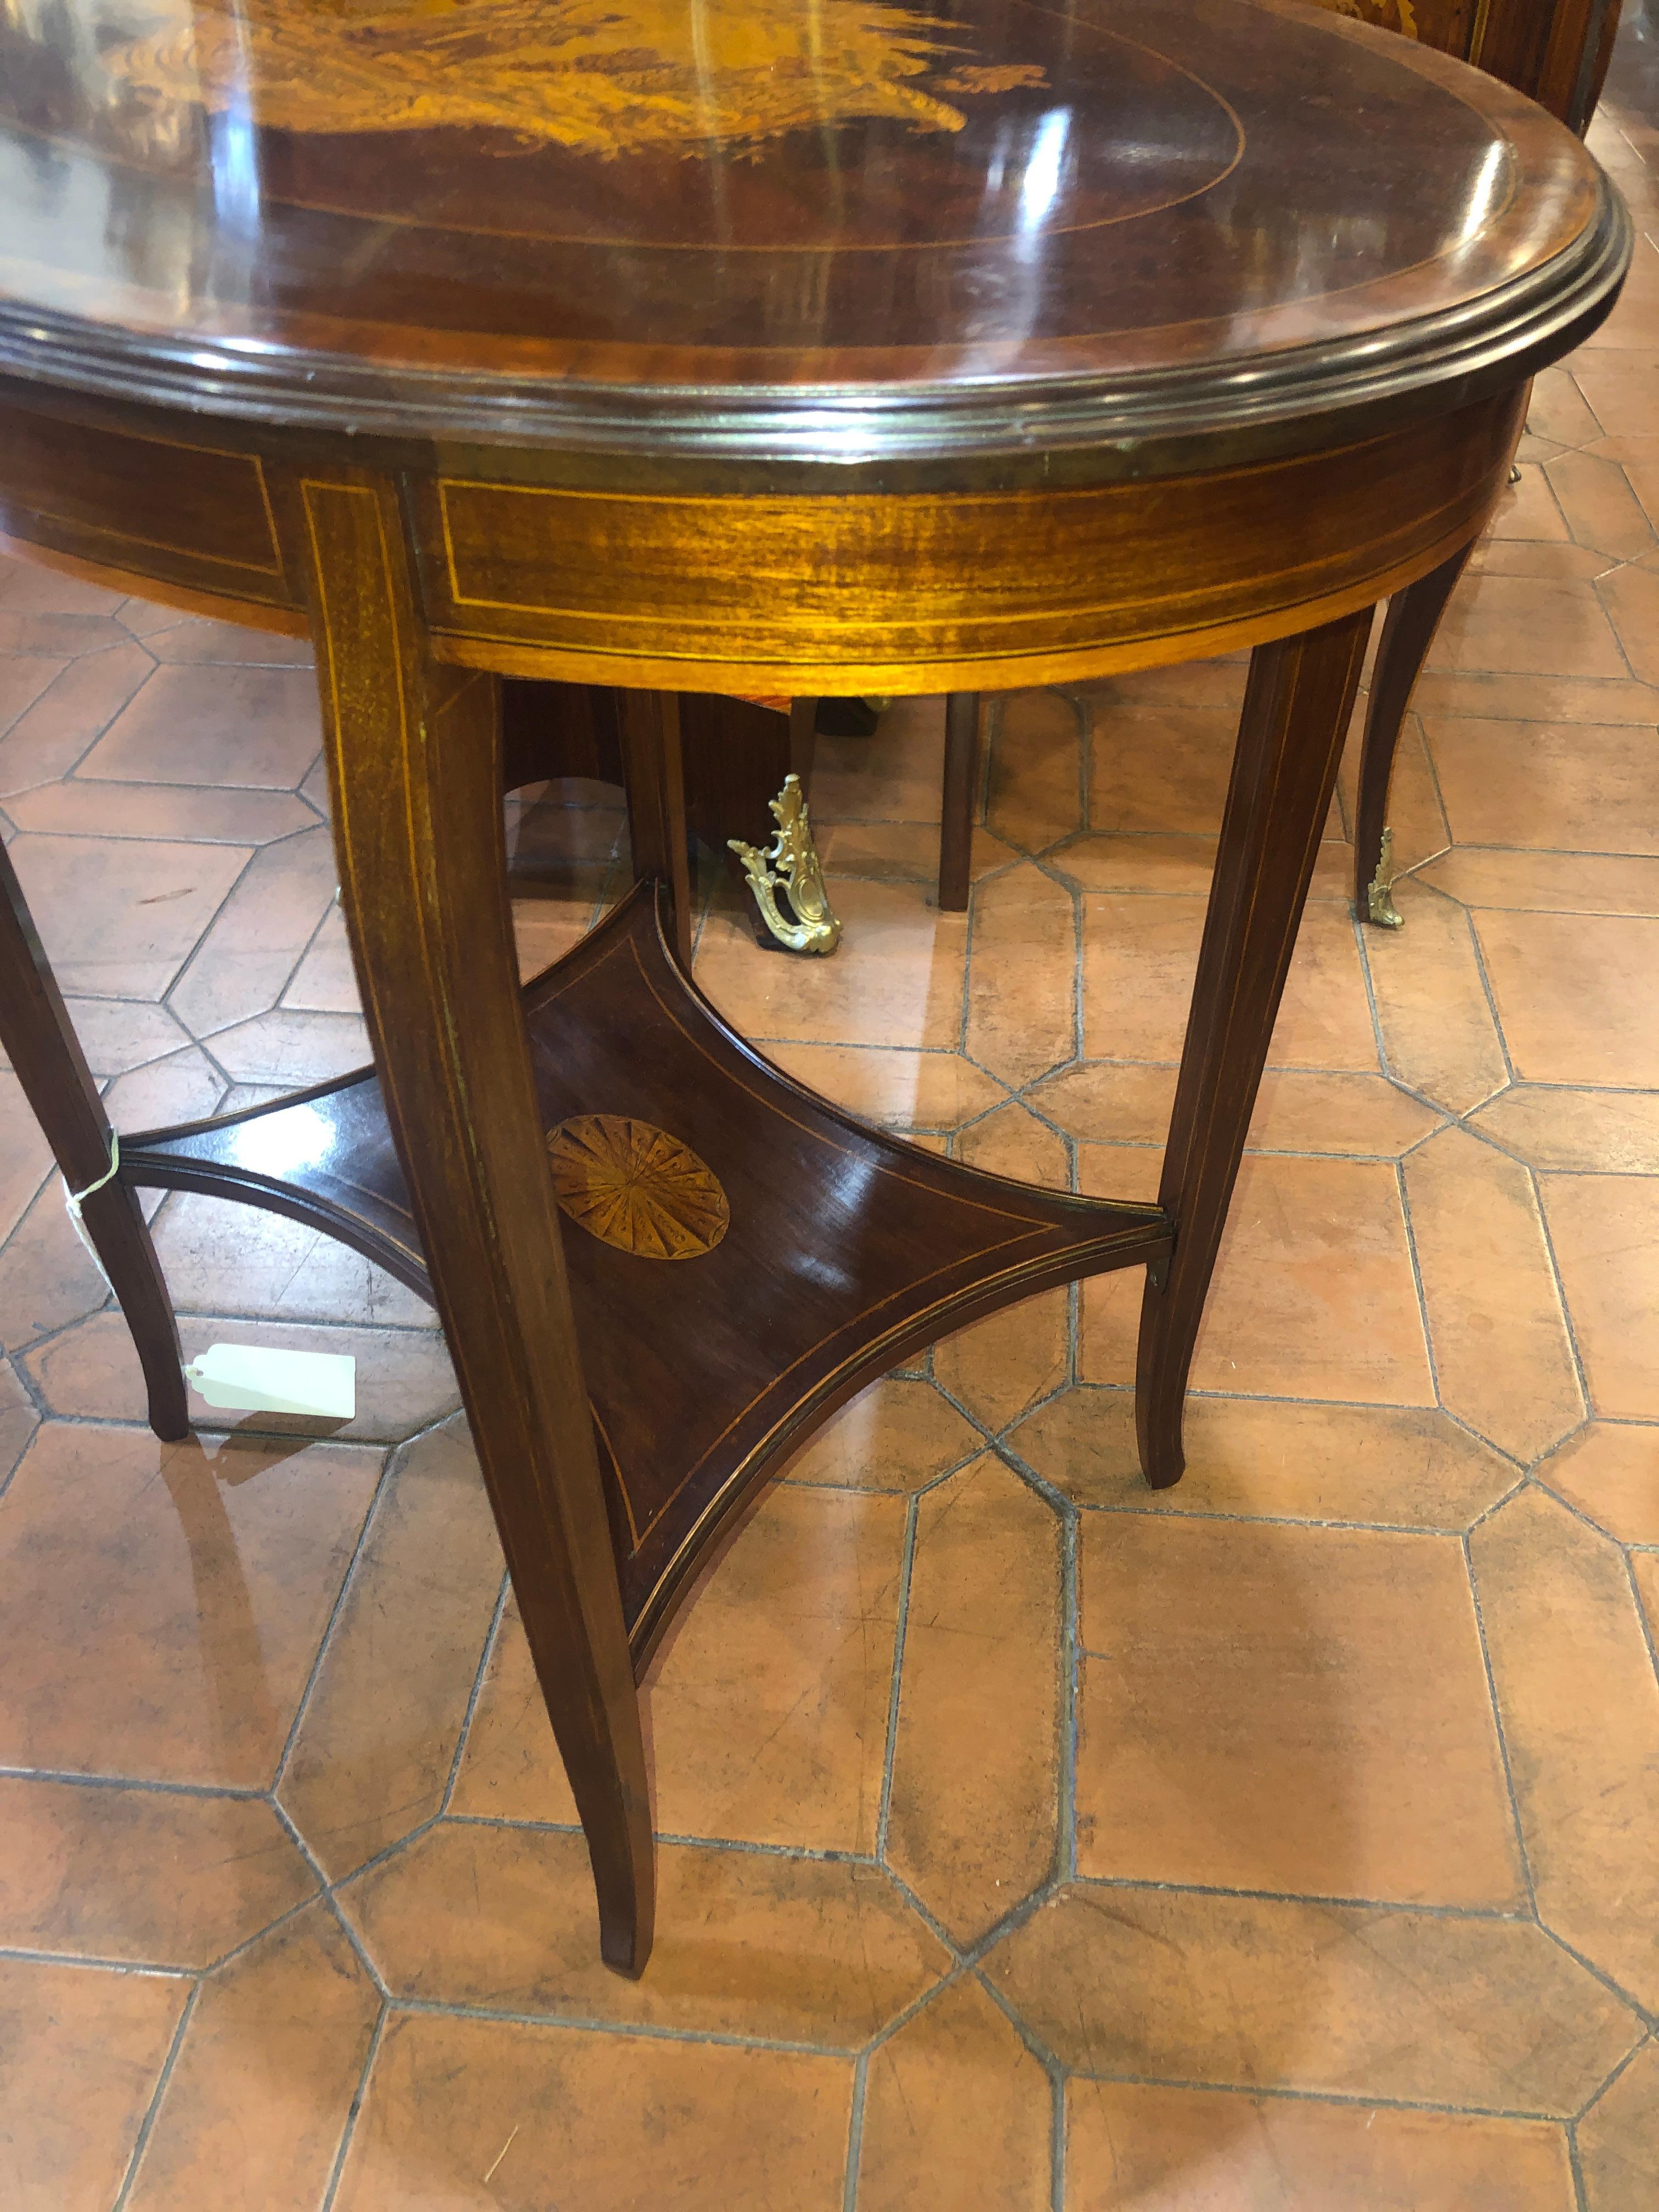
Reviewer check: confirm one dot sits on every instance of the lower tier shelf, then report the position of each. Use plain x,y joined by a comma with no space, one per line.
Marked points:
743,1256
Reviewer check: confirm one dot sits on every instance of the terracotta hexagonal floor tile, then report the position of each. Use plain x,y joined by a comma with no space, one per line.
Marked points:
260,2093
165,1601
1022,987
606,2122
1579,1702
231,724
1577,995
154,901
1606,1233
1619,2140
1314,1295
1338,2000
898,1434
1270,1460
749,1943
1131,2149
404,1381
959,2115
1577,1131
81,2053
972,1817
1610,1471
1271,1707
767,1706
1503,1361
375,1746
153,1877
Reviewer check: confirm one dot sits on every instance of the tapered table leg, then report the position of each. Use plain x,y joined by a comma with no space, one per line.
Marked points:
1296,705
46,1056
1408,629
654,777
955,836
415,767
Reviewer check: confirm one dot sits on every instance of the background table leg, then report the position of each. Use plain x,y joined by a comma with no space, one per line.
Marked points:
654,779
46,1055
955,836
415,765
1408,629
1296,708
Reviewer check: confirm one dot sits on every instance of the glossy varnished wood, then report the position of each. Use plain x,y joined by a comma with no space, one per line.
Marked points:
836,349
1298,705
845,1248
47,1057
1408,631
1554,51
591,585
868,233
415,768
955,840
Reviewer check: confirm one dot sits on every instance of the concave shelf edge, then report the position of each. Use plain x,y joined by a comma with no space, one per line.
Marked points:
847,1250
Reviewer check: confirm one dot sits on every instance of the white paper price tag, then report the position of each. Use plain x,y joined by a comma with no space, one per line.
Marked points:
247,1378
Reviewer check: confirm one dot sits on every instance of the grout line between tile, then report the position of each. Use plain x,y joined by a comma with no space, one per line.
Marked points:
1648,2018
822,1855
935,1927
1497,1722
901,1623
855,2134
350,2129
1070,1696
140,1969
480,1672
314,1672
1279,2092
326,1892
1487,987
1403,1193
130,1781
152,2112
1536,1190
1642,1619
632,2030
1580,2193
1624,2064
1492,1914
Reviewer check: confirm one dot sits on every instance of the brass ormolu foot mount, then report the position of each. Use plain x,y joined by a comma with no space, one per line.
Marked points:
798,874
1379,898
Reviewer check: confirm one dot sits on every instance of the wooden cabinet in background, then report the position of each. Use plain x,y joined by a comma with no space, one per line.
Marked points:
1554,51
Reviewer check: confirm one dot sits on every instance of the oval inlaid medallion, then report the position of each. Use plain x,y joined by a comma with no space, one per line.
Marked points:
635,1187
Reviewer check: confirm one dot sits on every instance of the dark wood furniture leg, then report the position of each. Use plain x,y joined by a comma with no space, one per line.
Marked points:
414,769
654,780
1296,705
1408,629
803,739
558,730
956,834
46,1055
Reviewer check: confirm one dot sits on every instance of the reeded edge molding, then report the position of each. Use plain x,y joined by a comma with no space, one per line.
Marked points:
1151,419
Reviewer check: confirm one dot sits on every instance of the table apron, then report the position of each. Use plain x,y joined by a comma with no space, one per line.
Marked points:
793,594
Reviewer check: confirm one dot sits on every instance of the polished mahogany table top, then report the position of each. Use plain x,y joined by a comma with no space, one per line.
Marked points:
792,228
785,346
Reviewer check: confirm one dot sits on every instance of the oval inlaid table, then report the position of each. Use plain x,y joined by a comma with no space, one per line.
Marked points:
776,347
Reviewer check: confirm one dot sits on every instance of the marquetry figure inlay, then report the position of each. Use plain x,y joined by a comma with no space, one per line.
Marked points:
765,348
600,76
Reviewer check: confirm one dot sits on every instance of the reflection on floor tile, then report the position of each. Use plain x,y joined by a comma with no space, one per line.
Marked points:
1031,1839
